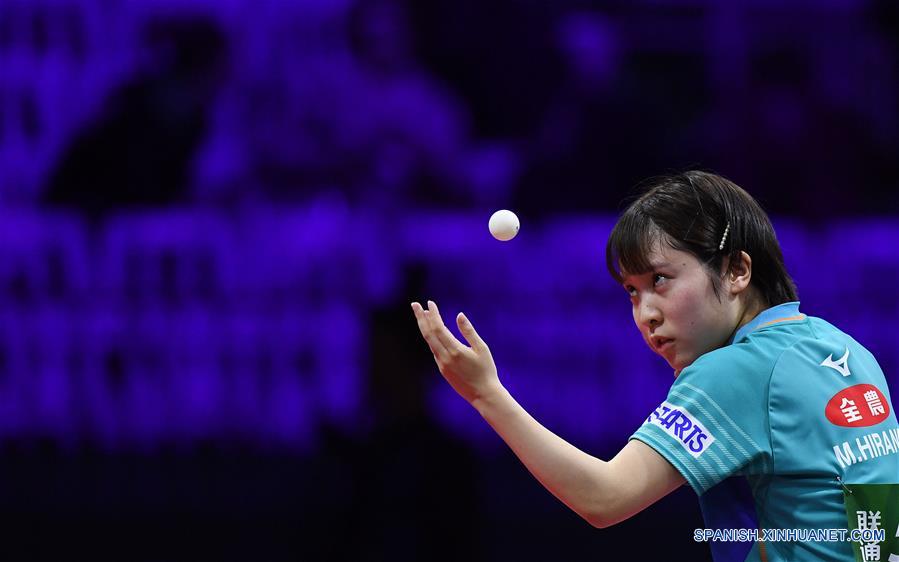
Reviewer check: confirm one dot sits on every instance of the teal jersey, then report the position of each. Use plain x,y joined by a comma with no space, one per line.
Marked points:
770,428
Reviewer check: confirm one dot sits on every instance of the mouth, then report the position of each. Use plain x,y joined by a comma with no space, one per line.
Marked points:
661,344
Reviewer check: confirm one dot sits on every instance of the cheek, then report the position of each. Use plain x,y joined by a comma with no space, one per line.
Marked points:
706,323
685,307
698,301
694,319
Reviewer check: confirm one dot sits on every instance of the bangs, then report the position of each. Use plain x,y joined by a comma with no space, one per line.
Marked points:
633,238
706,216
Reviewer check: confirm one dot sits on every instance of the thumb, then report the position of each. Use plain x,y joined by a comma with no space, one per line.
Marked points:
469,333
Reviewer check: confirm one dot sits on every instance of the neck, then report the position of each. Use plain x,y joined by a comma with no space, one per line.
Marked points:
752,309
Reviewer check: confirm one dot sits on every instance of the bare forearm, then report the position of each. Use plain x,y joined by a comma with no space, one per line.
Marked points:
580,481
601,492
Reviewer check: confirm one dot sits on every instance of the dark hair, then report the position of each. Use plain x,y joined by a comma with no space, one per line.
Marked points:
690,211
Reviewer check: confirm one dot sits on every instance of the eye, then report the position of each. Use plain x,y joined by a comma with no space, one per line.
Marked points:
658,279
631,291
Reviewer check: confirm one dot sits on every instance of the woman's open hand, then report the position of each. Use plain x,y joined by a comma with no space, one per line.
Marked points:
469,370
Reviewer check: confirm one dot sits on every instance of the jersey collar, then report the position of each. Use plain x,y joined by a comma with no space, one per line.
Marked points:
781,313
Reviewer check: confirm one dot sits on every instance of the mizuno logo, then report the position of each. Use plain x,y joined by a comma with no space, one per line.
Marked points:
840,364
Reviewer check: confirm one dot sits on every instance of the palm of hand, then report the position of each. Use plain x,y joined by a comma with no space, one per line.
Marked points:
469,370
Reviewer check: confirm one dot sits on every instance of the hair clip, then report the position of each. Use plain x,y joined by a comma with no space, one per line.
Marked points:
724,238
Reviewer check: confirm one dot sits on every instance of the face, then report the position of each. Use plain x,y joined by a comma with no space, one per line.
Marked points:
676,310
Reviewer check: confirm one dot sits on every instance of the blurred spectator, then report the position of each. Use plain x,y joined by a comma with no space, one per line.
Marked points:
800,151
498,56
413,494
602,130
367,120
140,150
778,120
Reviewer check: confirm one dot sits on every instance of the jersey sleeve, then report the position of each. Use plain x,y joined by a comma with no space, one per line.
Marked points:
714,422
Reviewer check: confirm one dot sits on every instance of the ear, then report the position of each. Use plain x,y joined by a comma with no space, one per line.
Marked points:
739,273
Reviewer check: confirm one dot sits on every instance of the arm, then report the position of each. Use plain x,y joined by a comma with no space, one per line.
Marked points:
601,492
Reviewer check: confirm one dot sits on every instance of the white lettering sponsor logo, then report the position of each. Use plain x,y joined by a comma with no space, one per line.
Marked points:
874,403
683,426
850,410
866,447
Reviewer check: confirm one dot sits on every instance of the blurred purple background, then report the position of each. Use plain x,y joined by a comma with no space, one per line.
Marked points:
214,215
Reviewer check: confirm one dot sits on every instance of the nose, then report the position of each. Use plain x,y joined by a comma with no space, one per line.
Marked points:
648,314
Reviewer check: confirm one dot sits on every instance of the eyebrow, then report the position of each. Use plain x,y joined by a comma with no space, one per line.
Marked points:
653,266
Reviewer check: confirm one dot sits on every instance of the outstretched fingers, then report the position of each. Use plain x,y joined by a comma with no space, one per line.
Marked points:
424,326
470,334
444,336
470,370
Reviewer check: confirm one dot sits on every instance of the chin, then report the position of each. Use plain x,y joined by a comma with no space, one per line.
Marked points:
677,363
680,365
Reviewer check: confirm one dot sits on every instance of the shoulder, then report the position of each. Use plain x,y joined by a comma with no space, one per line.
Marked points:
824,357
754,357
739,375
819,343
758,353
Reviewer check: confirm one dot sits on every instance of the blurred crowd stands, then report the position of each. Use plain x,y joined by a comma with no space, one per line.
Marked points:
214,215
189,324
226,286
551,107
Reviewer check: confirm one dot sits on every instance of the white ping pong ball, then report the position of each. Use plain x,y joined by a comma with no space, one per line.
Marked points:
503,225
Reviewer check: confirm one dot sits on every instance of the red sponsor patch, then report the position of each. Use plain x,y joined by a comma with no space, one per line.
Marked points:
858,406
